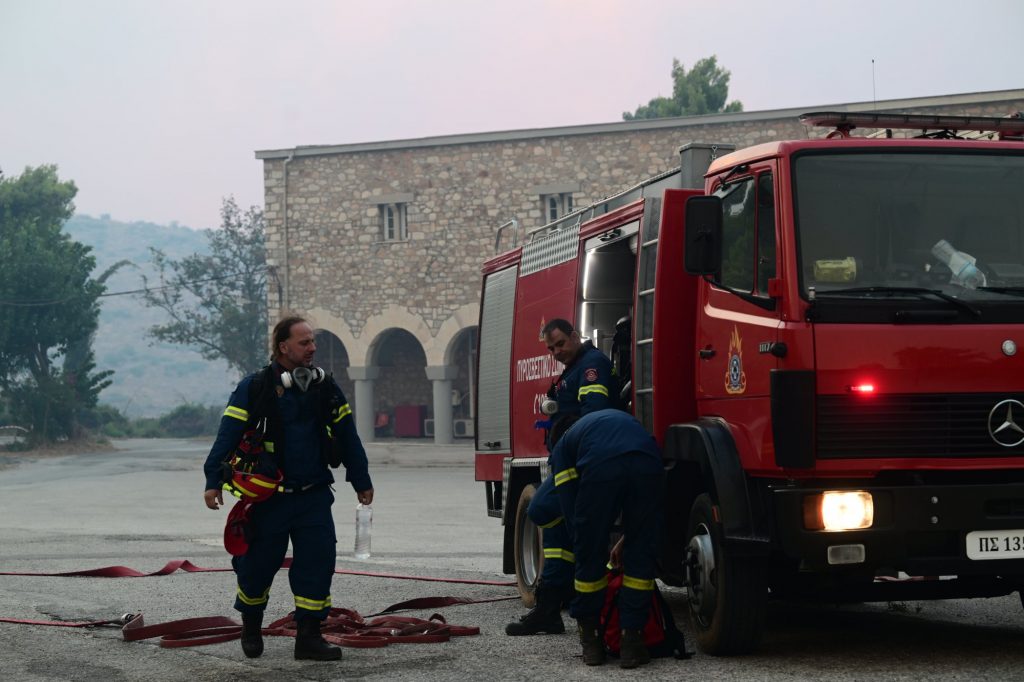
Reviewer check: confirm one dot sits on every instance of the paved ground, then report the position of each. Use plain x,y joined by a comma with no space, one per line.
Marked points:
141,506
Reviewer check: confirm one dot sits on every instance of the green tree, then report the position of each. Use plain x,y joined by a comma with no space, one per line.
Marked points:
217,303
701,90
49,308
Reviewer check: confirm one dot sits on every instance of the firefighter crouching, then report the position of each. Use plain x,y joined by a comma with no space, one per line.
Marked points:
606,464
586,385
305,424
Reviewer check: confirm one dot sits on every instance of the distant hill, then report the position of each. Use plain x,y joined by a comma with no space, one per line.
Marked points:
151,378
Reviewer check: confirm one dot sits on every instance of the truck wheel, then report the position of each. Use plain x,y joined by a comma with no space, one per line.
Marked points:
727,595
529,555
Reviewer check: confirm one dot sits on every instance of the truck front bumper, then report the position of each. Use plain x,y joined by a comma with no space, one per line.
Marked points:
921,530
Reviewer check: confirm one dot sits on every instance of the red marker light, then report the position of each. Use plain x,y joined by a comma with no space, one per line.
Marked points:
861,388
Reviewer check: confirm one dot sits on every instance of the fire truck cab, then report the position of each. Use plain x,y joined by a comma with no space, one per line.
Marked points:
825,343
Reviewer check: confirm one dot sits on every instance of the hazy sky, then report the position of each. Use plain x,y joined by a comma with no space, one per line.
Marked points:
155,108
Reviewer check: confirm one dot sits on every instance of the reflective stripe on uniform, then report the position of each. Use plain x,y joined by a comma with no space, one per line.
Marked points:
559,553
268,445
592,388
566,476
343,412
596,586
312,604
236,413
637,583
253,601
553,523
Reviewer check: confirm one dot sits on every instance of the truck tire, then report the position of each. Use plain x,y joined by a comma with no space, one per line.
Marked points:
529,555
727,595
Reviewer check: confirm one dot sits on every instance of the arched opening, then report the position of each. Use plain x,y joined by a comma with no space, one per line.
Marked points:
332,356
461,354
402,389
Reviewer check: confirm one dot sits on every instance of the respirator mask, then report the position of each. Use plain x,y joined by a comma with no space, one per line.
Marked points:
303,377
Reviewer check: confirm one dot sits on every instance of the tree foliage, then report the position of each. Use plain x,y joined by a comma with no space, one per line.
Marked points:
49,308
701,90
216,303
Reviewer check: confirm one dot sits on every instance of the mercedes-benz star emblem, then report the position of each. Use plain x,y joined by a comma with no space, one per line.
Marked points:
1002,423
1009,348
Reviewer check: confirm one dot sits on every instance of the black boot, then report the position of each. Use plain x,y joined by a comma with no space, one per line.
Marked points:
592,641
544,617
252,634
632,650
309,645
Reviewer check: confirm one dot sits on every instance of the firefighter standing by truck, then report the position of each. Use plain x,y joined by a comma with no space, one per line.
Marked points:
586,385
308,425
605,464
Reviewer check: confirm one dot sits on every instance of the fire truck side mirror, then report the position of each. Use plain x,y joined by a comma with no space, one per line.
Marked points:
703,239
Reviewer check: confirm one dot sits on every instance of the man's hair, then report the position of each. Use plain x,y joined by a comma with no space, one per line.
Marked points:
564,326
560,426
282,332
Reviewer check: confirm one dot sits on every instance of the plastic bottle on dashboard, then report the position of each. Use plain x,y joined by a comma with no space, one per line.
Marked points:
364,519
965,272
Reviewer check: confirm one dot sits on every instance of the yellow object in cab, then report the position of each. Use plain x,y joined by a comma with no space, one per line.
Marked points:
840,270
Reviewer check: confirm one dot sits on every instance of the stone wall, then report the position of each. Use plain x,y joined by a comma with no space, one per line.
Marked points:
458,194
395,310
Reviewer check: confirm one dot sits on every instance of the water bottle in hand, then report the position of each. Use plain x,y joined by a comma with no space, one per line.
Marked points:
364,517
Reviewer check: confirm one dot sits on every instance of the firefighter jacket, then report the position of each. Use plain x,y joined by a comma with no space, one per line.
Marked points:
597,438
586,385
305,430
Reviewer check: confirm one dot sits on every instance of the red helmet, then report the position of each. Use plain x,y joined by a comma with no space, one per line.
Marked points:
253,487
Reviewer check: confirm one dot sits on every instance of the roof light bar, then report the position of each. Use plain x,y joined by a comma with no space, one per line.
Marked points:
1012,125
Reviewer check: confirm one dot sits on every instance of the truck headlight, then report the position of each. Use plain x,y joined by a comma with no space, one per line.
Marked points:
839,510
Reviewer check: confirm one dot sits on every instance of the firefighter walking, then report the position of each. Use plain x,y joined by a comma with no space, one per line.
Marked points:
308,426
606,464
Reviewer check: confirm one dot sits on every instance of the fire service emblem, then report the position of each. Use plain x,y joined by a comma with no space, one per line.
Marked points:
735,377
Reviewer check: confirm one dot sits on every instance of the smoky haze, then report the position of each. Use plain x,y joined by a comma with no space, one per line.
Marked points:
155,108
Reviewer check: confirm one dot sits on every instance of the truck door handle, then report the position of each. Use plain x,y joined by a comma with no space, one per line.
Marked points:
707,353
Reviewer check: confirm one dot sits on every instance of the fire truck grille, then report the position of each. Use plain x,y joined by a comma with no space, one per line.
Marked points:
954,425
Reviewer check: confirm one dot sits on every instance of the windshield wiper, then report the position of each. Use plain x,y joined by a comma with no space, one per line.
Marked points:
1009,291
921,291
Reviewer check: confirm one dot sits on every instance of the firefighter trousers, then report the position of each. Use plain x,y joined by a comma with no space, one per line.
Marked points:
306,518
546,512
632,485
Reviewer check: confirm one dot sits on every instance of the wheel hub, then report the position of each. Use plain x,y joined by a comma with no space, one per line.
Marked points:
530,551
700,569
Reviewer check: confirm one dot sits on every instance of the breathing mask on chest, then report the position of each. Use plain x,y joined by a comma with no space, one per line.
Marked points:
303,377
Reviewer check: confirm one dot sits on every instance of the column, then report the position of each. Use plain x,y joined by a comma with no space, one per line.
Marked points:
363,410
441,376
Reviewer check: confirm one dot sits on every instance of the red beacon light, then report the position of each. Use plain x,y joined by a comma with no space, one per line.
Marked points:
861,389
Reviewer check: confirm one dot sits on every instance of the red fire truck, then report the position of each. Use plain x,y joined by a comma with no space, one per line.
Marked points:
825,343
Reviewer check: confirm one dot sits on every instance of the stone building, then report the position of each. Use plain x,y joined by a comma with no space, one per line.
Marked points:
380,243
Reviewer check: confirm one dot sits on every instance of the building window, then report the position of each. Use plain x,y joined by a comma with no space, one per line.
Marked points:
393,224
556,205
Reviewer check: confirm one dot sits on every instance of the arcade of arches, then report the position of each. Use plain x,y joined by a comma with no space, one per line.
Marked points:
397,394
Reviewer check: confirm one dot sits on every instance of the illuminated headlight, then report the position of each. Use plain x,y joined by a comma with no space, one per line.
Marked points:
839,510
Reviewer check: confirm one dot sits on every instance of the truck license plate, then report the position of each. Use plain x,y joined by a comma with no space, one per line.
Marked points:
995,544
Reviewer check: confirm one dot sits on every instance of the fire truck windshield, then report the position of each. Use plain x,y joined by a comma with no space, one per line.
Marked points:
951,222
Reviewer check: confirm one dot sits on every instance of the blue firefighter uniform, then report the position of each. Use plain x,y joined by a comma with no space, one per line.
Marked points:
604,465
306,431
585,386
